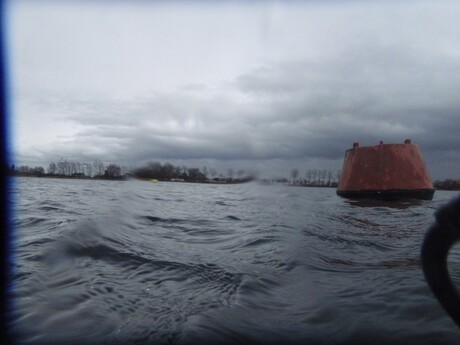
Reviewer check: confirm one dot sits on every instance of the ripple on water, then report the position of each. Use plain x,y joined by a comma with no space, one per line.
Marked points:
172,263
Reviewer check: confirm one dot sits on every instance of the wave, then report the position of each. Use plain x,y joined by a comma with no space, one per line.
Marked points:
121,263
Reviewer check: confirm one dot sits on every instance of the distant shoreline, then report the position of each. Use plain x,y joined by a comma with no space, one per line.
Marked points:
128,178
121,178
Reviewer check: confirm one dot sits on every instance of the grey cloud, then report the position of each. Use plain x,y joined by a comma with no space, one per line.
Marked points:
295,109
381,95
367,83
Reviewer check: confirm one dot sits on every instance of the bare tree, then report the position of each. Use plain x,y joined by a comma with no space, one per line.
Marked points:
204,170
195,174
52,168
73,168
24,169
329,177
168,170
314,174
177,171
99,167
308,175
294,174
124,169
63,167
230,173
323,176
113,170
39,171
88,169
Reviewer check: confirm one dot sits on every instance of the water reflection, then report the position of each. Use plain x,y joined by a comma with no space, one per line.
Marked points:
398,204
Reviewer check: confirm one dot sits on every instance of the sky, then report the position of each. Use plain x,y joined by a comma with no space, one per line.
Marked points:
264,87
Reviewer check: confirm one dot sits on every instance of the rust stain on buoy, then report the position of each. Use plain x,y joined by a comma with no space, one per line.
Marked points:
385,171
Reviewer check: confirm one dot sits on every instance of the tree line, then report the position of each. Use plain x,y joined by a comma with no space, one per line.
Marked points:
447,184
154,170
66,168
316,178
311,178
169,172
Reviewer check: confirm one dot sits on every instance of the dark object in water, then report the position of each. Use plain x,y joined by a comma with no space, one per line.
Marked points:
385,171
439,239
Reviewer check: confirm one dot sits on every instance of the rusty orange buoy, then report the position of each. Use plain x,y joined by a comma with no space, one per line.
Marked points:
385,171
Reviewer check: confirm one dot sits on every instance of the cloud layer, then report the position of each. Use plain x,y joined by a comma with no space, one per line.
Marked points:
245,84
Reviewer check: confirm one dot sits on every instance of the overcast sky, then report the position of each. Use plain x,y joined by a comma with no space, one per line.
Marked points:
270,86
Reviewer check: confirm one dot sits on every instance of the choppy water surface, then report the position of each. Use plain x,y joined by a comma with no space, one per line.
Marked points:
155,263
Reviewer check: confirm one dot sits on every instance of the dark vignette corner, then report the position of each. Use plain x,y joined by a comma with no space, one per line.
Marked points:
5,211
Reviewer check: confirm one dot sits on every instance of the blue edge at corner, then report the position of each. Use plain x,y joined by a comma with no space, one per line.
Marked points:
5,206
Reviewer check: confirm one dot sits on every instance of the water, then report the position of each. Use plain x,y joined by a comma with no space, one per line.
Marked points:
107,262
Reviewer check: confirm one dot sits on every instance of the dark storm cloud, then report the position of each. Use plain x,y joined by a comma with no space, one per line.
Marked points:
290,110
370,94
